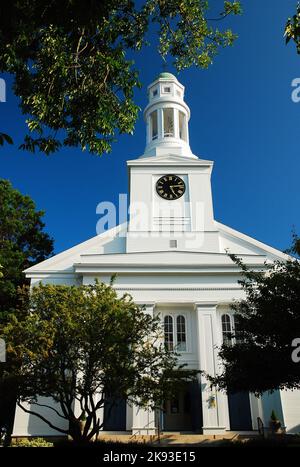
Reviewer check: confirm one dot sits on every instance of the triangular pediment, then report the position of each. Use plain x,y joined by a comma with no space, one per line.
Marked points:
108,252
233,241
108,242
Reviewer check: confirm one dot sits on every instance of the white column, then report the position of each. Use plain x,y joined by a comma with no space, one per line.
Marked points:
160,123
176,123
148,130
143,419
187,129
213,403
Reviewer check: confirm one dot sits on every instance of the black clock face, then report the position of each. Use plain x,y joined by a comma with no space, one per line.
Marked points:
170,187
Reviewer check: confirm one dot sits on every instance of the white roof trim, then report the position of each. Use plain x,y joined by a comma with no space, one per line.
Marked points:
81,250
252,241
77,249
170,159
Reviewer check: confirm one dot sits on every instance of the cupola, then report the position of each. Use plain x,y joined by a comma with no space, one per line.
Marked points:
167,117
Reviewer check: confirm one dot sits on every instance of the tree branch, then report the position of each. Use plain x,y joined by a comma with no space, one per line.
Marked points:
31,412
222,16
77,51
49,407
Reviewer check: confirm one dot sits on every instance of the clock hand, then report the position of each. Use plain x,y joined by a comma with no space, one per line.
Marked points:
175,186
171,188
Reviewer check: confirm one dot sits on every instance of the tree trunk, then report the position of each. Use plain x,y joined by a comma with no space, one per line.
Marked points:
76,432
8,401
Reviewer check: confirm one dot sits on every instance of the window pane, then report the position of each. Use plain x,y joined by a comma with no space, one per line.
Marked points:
182,126
181,334
168,331
168,122
226,330
154,125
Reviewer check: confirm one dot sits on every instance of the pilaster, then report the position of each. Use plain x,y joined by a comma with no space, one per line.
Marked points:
143,419
213,403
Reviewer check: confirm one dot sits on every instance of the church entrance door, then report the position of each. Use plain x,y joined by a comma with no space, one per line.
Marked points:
183,412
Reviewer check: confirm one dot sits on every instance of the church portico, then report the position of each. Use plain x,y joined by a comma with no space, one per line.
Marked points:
171,256
194,408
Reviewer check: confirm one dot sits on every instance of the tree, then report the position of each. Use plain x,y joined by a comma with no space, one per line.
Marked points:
268,324
23,242
292,29
82,345
70,66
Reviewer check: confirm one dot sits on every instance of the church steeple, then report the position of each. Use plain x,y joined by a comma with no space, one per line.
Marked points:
167,117
170,188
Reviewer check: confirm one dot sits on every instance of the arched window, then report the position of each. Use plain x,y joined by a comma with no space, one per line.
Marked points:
181,334
168,330
154,125
226,330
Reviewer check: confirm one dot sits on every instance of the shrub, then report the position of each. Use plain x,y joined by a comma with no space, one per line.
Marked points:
32,443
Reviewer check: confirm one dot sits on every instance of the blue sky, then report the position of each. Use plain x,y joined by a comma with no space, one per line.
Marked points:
243,118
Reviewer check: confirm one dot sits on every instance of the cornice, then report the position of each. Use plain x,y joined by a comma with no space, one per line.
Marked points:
183,161
158,269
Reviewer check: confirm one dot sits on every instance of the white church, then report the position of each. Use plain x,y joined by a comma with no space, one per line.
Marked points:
171,256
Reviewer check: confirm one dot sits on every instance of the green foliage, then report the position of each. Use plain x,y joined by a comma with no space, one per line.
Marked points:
269,321
273,416
32,443
82,341
187,34
292,29
22,242
69,61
